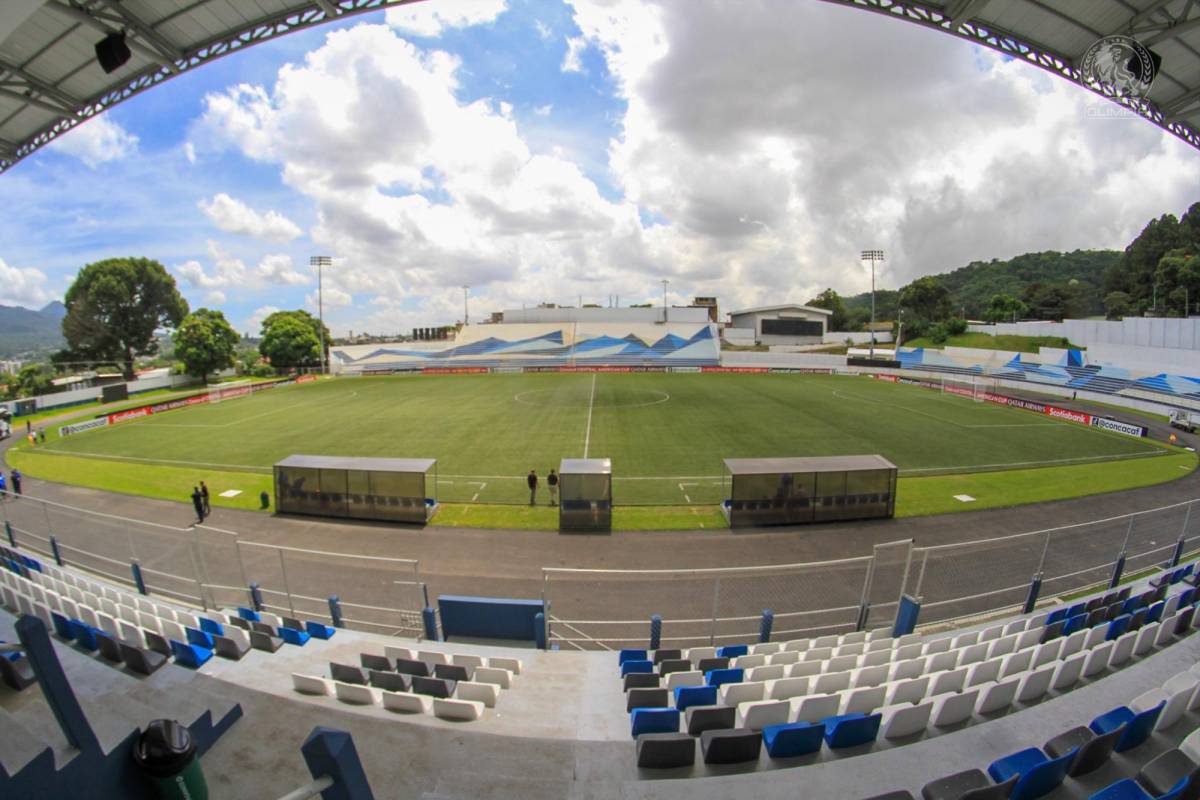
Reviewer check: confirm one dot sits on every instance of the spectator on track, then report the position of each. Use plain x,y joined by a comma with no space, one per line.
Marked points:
198,503
42,435
3,487
532,480
204,497
552,482
16,481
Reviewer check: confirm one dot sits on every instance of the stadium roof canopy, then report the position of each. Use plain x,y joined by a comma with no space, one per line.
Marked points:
50,79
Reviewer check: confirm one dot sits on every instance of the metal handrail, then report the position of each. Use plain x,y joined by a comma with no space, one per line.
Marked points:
310,789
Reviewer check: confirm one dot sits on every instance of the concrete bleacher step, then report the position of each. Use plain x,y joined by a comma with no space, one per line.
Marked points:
37,729
185,703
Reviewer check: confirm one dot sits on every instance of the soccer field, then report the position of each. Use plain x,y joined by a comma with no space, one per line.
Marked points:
665,433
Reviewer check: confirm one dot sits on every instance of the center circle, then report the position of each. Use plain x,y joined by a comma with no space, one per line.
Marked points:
625,398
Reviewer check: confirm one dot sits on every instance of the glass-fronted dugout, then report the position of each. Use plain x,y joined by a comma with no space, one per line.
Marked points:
391,489
585,494
793,491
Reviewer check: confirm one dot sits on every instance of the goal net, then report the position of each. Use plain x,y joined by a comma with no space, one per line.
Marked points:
228,391
966,386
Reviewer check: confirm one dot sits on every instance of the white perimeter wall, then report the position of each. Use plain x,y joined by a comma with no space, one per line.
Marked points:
604,315
856,337
1180,334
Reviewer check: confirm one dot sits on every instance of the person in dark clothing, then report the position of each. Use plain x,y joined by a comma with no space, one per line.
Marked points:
204,497
532,480
42,435
16,481
552,482
198,502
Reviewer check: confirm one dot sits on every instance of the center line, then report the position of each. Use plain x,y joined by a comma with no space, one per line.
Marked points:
587,437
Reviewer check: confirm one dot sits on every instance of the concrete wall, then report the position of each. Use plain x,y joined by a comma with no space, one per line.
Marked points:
1159,332
76,397
604,315
754,321
856,337
730,358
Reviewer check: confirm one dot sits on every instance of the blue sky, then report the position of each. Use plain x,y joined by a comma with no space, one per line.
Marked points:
547,151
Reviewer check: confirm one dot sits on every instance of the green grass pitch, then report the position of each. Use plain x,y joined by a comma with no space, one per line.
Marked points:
665,433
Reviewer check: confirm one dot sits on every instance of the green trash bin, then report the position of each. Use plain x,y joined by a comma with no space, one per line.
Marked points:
167,757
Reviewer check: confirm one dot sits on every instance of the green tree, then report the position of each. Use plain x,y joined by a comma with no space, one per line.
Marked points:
205,342
1117,305
1048,301
308,319
288,340
32,380
830,301
1004,308
926,299
114,308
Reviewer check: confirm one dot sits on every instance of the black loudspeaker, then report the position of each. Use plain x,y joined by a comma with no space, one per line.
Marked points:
112,52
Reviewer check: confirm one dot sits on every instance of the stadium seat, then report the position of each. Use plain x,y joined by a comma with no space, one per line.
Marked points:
731,694
718,677
730,746
704,718
436,687
953,708
851,730
264,642
758,714
688,696
199,638
347,673
16,673
211,626
1168,771
630,654
1129,789
311,684
1137,725
654,720
248,614
633,665
108,647
354,693
318,630
732,650
667,655
293,636
416,667
646,698
390,681
669,665
486,693
372,661
450,672
971,784
640,680
665,750
496,675
406,702
814,708
457,710
793,739
1037,774
905,719
190,655
1090,751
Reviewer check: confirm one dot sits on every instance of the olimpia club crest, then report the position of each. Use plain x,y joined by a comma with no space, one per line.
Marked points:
1122,64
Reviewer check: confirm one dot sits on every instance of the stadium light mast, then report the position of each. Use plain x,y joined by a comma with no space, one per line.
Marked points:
320,262
665,282
872,256
466,313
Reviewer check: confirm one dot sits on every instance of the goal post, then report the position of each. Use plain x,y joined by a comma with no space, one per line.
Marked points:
972,386
228,391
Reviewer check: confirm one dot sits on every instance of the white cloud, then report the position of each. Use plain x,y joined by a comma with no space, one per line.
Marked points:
279,268
189,152
543,30
431,18
253,323
331,297
97,141
23,286
215,298
543,111
572,60
227,271
233,216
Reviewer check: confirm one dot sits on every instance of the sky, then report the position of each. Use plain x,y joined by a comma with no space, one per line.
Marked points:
548,151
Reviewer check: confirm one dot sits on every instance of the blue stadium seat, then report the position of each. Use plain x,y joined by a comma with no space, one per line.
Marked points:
1129,789
719,677
1117,627
654,720
1039,774
62,626
1075,623
1138,726
630,654
211,626
1156,611
318,630
293,636
793,739
732,651
686,696
1057,615
637,665
1076,610
1187,596
82,634
190,655
249,614
851,730
199,638
32,563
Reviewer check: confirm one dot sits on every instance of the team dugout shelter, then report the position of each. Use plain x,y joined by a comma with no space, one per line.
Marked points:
389,489
795,491
585,494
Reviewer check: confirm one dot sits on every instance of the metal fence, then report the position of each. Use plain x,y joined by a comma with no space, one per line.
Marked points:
605,609
213,568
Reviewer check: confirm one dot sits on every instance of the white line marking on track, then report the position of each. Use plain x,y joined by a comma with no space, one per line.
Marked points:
482,486
587,437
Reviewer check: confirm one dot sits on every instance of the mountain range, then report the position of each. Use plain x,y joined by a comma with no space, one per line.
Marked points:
27,332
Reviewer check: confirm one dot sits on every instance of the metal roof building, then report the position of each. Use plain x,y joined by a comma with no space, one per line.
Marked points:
50,79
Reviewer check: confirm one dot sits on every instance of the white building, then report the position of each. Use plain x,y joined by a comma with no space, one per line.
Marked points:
786,324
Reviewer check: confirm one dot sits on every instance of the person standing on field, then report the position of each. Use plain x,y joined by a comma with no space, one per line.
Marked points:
198,503
204,497
532,480
552,482
16,481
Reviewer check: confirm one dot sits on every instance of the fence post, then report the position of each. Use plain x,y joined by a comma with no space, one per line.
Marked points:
864,603
539,630
8,529
906,615
136,569
1178,554
655,631
712,632
430,619
335,611
1118,568
764,627
54,550
331,752
1035,588
32,633
256,596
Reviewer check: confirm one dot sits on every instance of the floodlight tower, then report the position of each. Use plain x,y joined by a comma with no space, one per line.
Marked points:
872,256
466,313
320,262
665,282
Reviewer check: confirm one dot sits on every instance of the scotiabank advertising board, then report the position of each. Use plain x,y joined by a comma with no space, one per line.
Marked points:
132,413
753,370
1068,414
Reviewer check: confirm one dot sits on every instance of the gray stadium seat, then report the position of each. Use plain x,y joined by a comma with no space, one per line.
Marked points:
147,662
229,648
347,673
16,674
665,750
451,672
641,680
735,746
382,663
434,687
707,718
391,681
265,642
647,698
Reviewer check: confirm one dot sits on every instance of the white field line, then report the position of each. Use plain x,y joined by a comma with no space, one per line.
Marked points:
482,486
685,494
587,437
861,399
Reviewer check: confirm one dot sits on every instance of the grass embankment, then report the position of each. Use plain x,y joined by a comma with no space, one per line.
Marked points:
985,341
915,496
